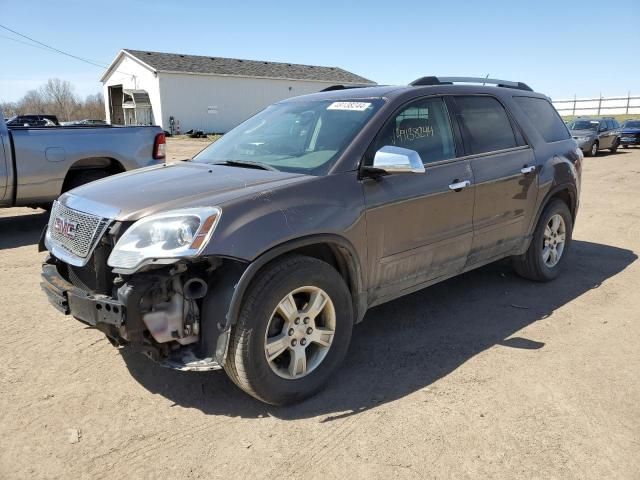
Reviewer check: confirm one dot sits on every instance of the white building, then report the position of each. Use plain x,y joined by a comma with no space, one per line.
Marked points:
212,94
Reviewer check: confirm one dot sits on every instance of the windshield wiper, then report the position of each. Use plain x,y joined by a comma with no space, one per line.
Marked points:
246,164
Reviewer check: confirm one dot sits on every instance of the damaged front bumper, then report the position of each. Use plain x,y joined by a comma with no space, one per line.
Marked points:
70,300
122,319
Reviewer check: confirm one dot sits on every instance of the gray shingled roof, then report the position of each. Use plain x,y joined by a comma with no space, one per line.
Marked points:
173,62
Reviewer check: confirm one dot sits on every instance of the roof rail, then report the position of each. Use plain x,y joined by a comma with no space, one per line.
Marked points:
451,80
343,87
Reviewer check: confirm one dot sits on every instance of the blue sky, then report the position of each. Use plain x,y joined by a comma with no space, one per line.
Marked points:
560,48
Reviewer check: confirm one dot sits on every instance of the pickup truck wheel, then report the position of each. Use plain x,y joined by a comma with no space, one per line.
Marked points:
614,147
84,176
543,260
293,331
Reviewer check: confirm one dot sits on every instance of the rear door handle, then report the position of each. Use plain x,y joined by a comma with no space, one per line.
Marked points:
459,185
526,170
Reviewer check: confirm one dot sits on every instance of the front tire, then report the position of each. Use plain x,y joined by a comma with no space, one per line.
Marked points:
543,260
293,331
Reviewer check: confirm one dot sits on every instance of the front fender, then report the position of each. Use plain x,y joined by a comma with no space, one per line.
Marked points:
252,225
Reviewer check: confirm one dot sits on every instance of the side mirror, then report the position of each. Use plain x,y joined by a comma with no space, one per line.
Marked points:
391,159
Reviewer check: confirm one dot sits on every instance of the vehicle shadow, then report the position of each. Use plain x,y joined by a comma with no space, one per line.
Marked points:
408,344
21,230
607,153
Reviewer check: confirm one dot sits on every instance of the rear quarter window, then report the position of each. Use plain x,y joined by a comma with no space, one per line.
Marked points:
485,124
544,118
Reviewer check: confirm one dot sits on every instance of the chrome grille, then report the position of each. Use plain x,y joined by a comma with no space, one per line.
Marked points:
87,230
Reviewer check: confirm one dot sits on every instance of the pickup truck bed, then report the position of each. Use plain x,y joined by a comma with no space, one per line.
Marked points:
37,164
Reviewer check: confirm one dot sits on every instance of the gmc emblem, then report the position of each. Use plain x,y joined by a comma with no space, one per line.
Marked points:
64,227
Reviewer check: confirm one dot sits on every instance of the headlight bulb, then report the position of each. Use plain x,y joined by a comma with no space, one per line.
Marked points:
184,234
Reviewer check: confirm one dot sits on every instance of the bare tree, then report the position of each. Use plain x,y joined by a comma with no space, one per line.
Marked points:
93,107
56,97
32,102
9,109
60,94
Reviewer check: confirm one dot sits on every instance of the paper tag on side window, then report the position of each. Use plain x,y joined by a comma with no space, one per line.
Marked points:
353,106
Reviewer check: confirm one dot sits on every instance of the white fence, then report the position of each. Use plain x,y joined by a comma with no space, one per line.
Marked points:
599,106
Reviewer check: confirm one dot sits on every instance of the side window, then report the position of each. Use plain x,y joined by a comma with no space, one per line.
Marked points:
603,127
544,117
486,126
422,126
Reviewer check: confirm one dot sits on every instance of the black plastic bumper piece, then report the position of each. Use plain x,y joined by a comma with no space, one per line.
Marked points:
88,308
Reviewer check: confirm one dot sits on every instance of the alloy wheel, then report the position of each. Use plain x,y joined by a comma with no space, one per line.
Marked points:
555,235
300,332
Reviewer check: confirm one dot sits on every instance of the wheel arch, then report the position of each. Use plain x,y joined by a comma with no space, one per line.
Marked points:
333,249
330,248
112,165
567,193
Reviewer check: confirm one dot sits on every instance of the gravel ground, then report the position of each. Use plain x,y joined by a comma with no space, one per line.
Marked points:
485,375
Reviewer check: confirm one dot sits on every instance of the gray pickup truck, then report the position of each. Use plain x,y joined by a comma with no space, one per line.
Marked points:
37,164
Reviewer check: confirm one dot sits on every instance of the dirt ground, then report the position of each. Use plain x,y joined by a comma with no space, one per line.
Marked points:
483,376
179,148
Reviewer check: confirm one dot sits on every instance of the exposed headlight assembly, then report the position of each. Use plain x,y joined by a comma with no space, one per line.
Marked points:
165,237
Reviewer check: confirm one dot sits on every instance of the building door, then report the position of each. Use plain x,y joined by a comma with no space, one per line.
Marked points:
115,105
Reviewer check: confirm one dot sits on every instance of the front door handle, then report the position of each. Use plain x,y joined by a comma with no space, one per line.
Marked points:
526,170
457,186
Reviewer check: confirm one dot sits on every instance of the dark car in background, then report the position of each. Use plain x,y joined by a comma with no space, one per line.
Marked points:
593,134
87,121
33,121
260,254
630,133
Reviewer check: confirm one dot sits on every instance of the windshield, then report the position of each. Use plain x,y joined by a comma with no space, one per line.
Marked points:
305,137
631,124
584,125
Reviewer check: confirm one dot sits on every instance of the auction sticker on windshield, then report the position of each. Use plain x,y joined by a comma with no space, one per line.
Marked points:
354,106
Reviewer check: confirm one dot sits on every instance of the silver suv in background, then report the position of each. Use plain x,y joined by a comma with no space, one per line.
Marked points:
593,134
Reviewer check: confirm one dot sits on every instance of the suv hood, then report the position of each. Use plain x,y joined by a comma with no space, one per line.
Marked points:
133,195
630,130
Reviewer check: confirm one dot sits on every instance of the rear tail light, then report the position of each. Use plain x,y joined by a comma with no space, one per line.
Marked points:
160,147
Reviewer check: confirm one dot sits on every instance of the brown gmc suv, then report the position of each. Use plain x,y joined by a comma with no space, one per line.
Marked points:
260,254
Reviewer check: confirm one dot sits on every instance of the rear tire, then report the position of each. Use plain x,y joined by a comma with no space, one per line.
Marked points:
83,177
536,263
614,147
263,330
625,146
593,150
